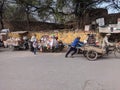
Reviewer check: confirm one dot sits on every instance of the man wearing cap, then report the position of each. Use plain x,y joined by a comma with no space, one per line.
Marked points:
73,46
105,40
106,43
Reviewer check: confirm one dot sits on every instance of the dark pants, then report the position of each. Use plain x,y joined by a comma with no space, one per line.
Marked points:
35,50
107,50
70,50
31,47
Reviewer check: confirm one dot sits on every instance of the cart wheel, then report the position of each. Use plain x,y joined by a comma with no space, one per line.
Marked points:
24,47
117,52
118,49
11,48
91,55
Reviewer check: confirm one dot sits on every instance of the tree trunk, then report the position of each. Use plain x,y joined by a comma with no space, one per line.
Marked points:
28,21
1,21
1,15
80,22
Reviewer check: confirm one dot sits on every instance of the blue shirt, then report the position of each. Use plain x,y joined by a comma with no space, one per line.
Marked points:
75,42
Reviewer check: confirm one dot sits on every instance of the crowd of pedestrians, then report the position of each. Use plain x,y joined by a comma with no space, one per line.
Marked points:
46,43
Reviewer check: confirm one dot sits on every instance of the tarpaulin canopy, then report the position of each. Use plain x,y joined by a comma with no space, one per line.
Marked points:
112,28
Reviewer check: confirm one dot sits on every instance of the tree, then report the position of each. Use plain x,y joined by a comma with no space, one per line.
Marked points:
82,7
26,7
1,13
115,4
77,9
58,11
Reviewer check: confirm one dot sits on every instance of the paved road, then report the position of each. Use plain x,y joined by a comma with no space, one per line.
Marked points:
21,70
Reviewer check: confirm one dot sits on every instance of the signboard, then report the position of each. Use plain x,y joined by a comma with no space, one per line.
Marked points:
87,27
112,28
100,21
118,23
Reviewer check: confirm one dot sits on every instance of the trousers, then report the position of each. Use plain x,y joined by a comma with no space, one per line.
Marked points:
74,49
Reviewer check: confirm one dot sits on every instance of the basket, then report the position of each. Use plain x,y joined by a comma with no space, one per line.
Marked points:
97,49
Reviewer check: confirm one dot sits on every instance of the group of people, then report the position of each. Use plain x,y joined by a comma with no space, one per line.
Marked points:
45,43
51,42
91,40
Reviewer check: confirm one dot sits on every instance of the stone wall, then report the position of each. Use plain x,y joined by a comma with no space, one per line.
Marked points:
33,26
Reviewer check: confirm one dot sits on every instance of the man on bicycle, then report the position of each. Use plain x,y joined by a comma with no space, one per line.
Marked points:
106,43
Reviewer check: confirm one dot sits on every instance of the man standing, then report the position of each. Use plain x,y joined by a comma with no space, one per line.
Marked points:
73,47
33,38
35,47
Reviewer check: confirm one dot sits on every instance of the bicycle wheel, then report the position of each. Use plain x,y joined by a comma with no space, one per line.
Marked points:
117,52
118,49
91,55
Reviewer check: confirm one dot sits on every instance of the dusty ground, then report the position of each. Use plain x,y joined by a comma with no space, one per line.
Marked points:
21,70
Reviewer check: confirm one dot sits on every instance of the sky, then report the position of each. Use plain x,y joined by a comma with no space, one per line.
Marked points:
110,9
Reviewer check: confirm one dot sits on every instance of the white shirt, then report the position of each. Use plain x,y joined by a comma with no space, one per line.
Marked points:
33,38
35,44
105,42
53,42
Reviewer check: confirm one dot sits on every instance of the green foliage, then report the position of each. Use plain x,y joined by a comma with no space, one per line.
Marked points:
58,11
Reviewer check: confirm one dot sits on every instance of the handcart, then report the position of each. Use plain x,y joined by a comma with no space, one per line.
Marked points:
93,52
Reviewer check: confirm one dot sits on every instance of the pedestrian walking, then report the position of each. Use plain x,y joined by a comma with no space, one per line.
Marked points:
33,38
35,46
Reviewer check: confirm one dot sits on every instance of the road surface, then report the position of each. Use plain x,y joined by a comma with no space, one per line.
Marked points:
22,70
